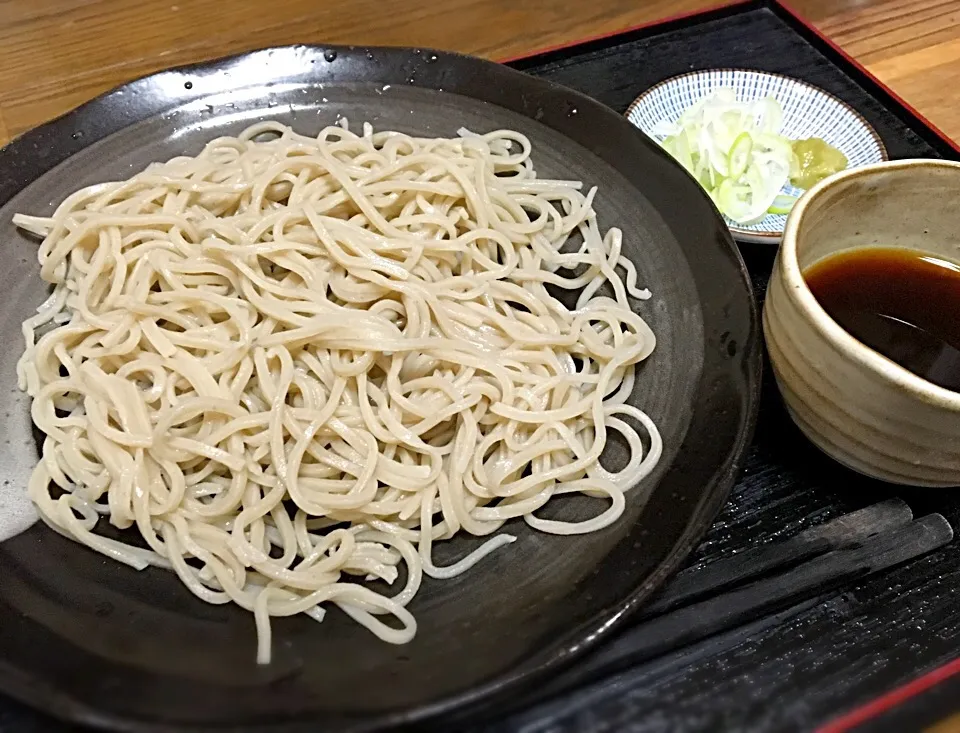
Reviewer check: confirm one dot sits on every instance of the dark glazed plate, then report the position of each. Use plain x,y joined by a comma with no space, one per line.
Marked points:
88,640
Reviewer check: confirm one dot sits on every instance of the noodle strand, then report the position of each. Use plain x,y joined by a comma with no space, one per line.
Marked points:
293,365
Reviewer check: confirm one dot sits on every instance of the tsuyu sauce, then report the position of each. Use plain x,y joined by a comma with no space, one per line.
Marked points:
902,303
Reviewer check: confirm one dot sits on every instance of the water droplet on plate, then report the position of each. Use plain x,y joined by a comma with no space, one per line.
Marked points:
330,56
431,58
77,135
369,56
188,85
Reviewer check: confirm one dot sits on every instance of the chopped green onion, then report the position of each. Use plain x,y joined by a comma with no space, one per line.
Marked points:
734,150
740,155
782,204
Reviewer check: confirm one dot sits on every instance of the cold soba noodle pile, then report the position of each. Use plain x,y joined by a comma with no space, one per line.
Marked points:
295,363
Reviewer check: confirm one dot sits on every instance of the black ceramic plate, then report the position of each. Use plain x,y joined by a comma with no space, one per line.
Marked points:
86,639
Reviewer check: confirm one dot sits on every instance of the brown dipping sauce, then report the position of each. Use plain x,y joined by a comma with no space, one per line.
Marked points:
902,303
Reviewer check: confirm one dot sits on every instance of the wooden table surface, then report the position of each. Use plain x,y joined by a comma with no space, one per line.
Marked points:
55,54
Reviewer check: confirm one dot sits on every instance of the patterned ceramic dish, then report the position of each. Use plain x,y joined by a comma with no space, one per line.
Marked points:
807,112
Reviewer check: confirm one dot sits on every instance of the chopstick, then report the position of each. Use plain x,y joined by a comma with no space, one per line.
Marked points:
754,585
815,576
693,584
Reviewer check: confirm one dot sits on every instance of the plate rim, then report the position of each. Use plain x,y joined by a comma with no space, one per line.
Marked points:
19,156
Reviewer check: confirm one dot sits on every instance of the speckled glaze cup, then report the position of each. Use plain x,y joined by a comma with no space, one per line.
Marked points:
859,407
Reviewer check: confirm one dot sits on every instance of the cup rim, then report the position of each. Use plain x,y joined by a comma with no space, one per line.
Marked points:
796,286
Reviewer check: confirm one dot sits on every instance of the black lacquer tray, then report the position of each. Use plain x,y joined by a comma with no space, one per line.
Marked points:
779,660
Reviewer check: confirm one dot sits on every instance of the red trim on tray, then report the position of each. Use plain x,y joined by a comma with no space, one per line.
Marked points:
895,697
931,679
628,29
892,699
863,69
720,6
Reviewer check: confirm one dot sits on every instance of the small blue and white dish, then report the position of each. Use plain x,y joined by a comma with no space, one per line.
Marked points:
807,112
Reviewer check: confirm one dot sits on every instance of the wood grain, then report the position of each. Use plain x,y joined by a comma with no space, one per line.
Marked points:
56,54
950,725
913,47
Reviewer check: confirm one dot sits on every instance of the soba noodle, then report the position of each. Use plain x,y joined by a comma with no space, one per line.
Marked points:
293,364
